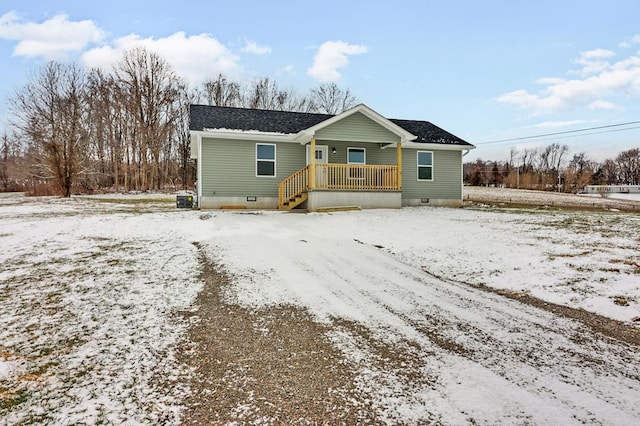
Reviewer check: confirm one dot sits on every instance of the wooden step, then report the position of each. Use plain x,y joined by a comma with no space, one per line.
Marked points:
338,209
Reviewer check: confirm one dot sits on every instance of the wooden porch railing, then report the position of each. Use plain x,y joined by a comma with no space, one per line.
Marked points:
357,176
339,176
293,186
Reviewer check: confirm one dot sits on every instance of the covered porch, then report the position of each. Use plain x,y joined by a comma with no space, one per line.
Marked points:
322,184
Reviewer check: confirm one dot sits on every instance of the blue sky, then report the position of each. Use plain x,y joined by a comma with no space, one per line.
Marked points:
483,70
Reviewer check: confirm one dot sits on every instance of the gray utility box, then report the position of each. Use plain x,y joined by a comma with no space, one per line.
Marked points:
184,202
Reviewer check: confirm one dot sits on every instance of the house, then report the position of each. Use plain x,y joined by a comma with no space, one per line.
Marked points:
267,159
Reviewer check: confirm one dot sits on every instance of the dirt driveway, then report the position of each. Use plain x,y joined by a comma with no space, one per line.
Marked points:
374,340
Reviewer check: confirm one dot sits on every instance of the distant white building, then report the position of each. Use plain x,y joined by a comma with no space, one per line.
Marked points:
612,189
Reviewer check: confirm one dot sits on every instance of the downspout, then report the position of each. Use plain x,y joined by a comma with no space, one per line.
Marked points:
199,172
399,164
464,154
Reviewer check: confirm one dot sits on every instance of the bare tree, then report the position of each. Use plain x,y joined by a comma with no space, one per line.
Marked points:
4,162
329,98
628,163
579,173
186,169
50,111
264,93
550,161
608,173
221,92
151,96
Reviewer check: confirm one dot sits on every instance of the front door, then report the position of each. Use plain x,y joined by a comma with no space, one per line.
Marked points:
322,157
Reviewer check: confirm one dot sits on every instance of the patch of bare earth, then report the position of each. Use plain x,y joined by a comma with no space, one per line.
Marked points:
273,366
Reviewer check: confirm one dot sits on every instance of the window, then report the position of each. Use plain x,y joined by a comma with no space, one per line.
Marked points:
265,160
425,165
356,156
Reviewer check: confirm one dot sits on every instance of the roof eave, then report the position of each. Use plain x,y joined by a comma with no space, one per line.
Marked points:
246,135
435,146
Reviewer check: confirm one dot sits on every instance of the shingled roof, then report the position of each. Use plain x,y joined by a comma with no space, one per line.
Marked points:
203,117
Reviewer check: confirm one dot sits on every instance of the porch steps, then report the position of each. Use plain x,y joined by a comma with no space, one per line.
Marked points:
338,209
294,201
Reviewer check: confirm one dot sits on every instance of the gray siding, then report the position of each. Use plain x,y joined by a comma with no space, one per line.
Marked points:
447,176
374,155
229,168
447,169
357,127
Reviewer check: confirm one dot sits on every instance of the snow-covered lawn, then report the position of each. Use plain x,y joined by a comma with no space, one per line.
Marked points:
90,288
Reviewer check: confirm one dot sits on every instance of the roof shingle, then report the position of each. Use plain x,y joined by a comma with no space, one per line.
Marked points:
213,117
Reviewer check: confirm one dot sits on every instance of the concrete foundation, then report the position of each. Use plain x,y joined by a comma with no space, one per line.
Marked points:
250,202
364,199
331,198
436,202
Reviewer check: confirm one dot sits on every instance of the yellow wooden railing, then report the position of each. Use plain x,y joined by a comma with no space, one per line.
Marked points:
293,186
338,176
357,177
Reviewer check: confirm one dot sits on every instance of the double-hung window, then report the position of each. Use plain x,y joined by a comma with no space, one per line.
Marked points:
265,160
425,165
356,156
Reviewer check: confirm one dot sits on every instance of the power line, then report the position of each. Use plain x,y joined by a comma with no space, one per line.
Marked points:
568,132
591,133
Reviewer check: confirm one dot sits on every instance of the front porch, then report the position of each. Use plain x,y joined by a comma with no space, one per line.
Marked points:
339,179
332,185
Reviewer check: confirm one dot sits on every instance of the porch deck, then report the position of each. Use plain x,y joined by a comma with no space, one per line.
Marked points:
293,190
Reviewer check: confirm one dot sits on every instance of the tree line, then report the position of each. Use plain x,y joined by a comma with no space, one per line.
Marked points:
126,129
550,168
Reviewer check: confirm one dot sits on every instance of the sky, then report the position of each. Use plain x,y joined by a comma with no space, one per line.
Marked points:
484,71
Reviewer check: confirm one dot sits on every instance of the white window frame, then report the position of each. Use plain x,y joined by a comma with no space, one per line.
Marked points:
418,166
275,156
364,151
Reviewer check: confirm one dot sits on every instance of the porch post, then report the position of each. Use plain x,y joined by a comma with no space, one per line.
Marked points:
399,163
312,164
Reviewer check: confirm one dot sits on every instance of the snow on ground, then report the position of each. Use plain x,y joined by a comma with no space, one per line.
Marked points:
88,289
581,259
478,357
545,198
86,296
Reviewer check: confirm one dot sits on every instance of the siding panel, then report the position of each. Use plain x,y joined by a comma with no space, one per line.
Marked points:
447,176
357,127
229,168
374,155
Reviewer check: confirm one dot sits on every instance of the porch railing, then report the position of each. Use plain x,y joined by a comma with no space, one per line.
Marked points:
357,177
293,186
339,176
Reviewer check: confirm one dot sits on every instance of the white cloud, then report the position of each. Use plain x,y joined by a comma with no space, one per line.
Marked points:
629,43
331,56
253,47
556,124
287,70
594,61
597,54
194,58
599,80
51,39
600,104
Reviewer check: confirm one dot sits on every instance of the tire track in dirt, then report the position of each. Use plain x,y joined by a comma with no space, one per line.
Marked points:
272,366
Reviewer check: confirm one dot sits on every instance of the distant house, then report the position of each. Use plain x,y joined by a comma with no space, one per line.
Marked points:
275,159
